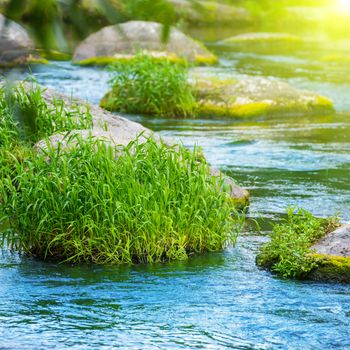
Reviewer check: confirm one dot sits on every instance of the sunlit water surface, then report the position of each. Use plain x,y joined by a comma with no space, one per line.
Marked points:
217,300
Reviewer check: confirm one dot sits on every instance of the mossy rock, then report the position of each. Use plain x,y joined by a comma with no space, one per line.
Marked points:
240,197
105,61
54,55
328,260
247,98
331,268
120,131
122,41
16,47
255,97
210,13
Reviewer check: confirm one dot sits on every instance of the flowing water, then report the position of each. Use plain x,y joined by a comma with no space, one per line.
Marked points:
219,300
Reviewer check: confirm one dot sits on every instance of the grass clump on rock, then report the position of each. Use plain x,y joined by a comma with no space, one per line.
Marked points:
150,85
25,116
288,253
146,202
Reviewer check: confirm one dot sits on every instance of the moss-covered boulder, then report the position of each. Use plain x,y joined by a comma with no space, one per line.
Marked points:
303,246
210,13
16,47
123,41
253,97
332,254
120,131
245,98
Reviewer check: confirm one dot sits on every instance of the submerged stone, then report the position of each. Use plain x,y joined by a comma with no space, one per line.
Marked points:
262,38
210,12
16,47
254,97
123,41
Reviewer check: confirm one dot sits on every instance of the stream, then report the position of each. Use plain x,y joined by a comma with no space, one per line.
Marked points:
219,300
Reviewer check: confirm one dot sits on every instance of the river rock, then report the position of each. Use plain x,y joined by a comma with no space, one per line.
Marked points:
122,41
332,254
335,243
253,97
117,130
210,12
16,47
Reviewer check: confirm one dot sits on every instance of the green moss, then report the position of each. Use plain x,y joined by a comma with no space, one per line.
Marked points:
107,101
241,202
209,108
37,60
199,60
208,60
24,61
324,103
54,55
331,268
108,60
96,61
224,98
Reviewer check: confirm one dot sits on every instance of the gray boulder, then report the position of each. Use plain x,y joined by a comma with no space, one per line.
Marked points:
16,47
254,96
336,243
122,41
118,131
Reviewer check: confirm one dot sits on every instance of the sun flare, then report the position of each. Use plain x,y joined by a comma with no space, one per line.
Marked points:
344,5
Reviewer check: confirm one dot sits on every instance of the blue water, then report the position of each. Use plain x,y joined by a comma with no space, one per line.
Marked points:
214,301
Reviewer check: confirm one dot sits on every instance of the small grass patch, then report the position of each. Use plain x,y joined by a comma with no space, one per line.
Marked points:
288,252
25,116
146,202
150,85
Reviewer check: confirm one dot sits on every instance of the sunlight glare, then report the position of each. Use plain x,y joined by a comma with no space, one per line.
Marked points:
344,5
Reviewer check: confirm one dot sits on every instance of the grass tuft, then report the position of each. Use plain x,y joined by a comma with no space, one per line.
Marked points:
25,116
144,203
288,252
150,85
